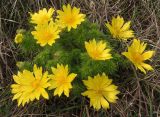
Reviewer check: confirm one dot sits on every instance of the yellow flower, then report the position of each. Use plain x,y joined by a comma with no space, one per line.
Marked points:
137,55
70,17
97,50
61,80
119,29
46,34
30,85
42,17
100,91
18,38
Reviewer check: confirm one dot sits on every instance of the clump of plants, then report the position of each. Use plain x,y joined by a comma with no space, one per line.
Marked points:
64,51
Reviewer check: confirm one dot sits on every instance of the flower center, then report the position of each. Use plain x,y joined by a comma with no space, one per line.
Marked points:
99,91
137,57
36,83
117,33
47,35
62,81
96,53
70,20
44,18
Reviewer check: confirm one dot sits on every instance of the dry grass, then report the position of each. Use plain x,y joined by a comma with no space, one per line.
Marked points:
140,96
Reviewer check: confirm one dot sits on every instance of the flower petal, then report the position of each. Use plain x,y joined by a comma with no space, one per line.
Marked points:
147,55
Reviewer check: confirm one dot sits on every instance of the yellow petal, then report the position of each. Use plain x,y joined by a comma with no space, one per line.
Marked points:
104,103
110,88
16,96
142,47
111,96
142,69
16,79
58,91
37,71
147,55
71,77
19,101
110,28
126,26
66,92
32,97
96,103
147,66
126,34
50,11
37,95
44,94
128,55
120,22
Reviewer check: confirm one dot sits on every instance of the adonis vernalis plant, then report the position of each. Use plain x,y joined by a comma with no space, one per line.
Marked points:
61,80
137,55
42,17
30,85
70,17
97,50
46,34
100,91
119,29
